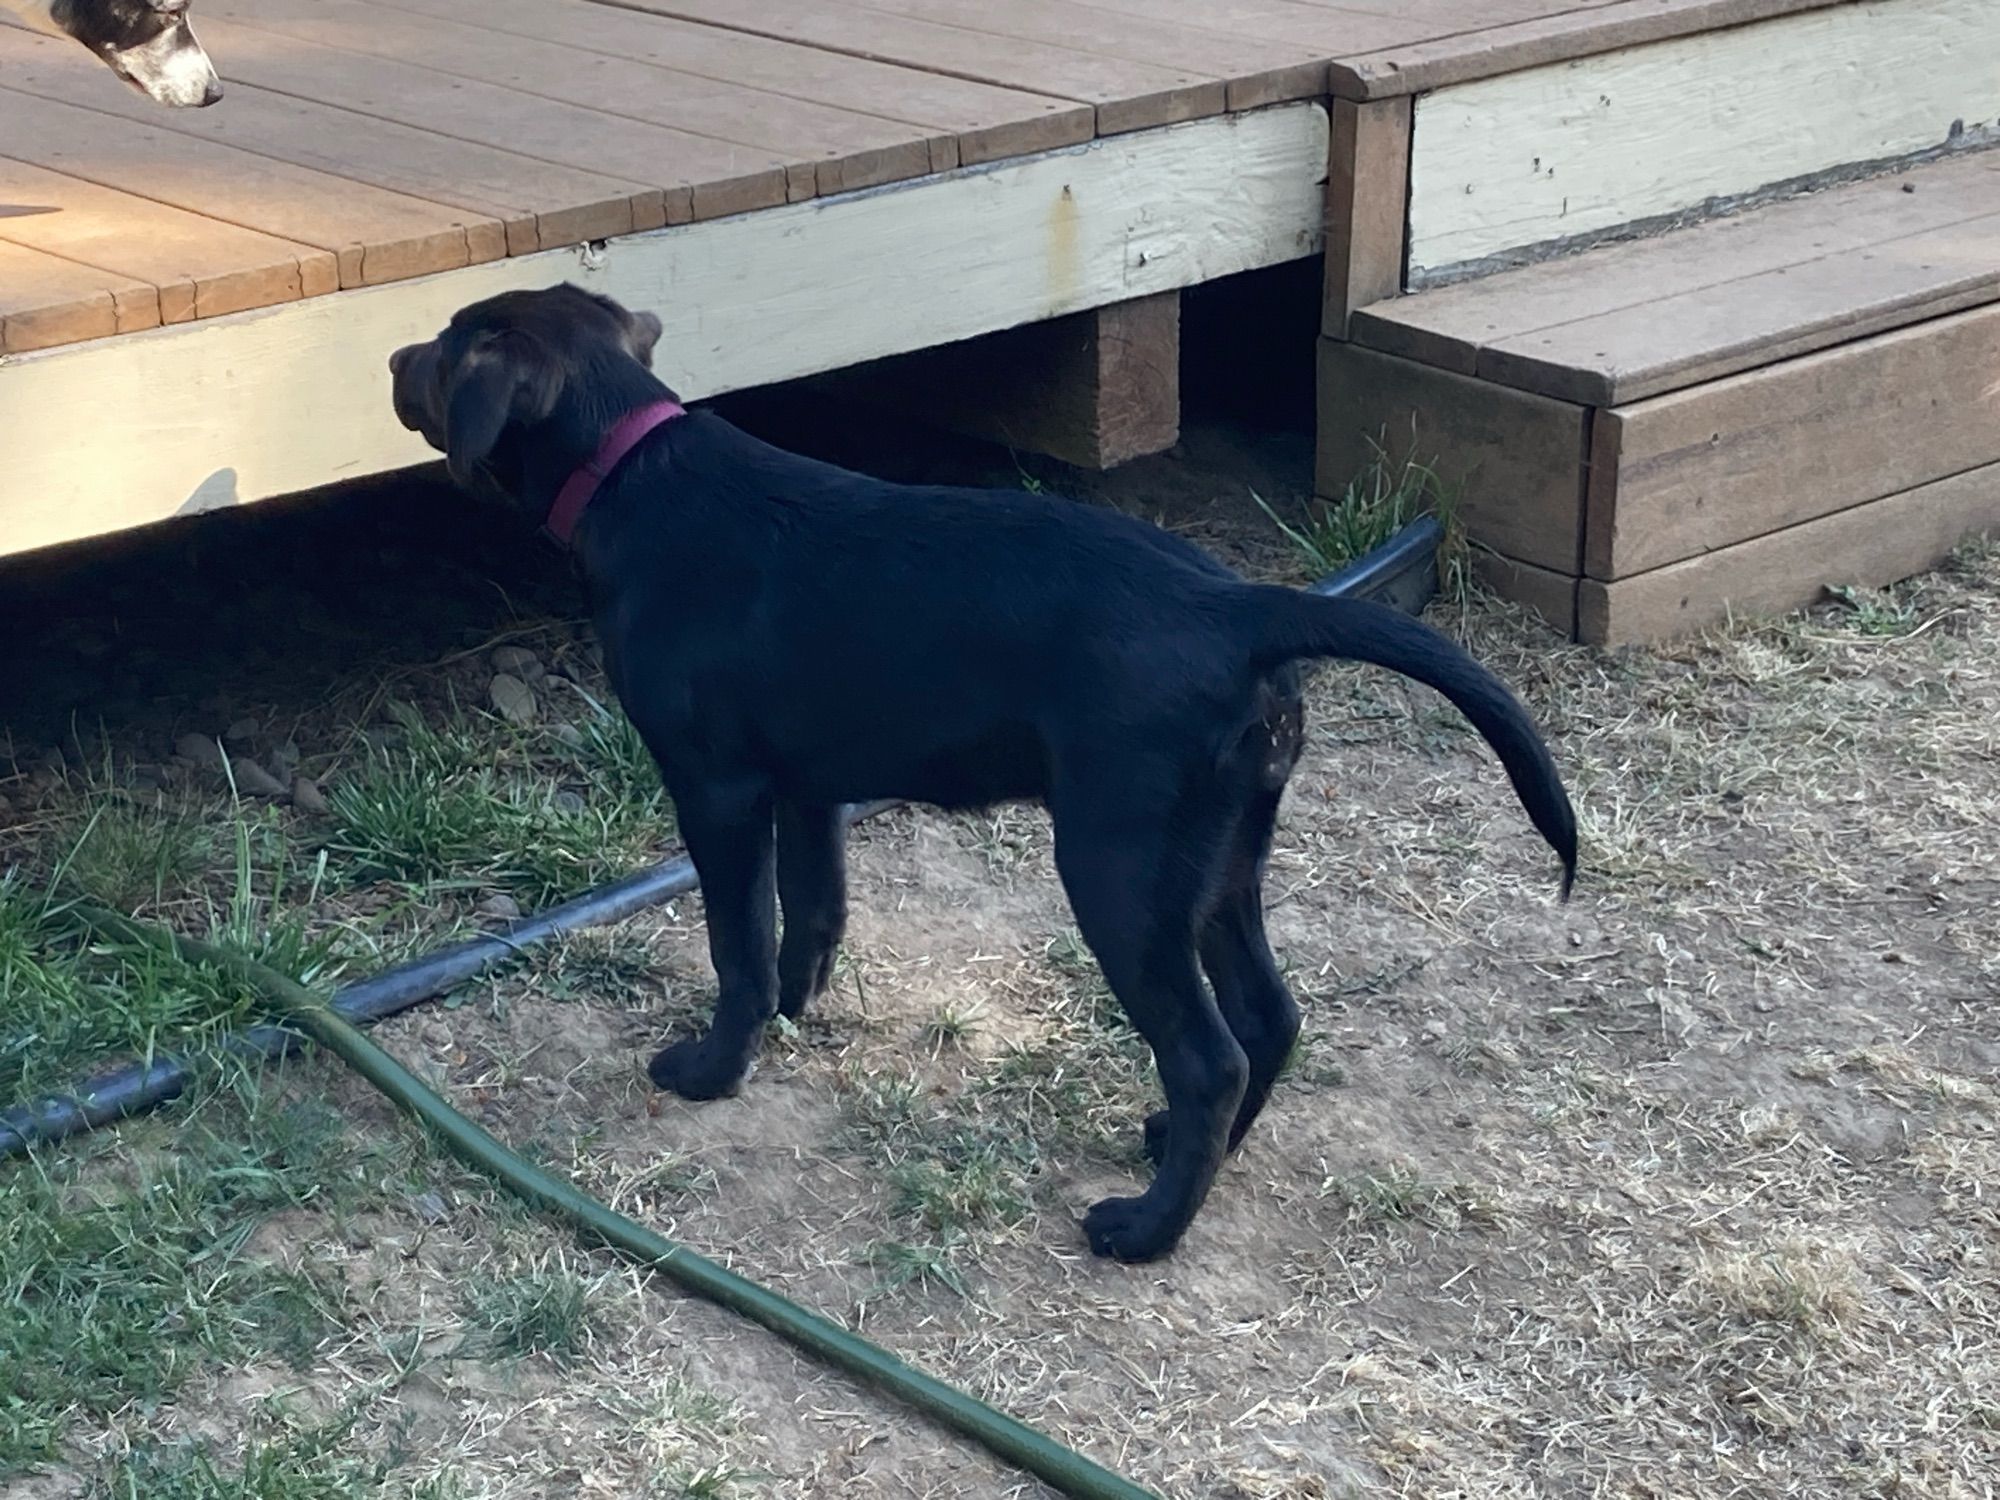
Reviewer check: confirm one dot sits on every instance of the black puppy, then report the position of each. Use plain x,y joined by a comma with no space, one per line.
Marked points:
788,637
148,43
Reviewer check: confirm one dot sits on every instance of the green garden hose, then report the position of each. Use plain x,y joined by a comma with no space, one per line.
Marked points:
1022,1446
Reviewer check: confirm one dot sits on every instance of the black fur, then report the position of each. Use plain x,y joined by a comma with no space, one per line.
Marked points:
788,637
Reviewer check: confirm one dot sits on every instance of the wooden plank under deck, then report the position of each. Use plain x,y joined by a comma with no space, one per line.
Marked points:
453,145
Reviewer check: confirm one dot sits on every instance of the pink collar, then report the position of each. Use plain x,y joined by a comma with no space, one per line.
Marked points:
581,487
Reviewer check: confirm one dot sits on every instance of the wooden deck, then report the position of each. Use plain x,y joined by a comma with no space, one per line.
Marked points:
443,149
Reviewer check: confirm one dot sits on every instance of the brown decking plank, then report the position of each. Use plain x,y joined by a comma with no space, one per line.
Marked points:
1517,459
1704,468
1126,95
537,205
1328,30
202,267
1254,72
710,177
1414,67
1367,198
841,147
374,235
1624,322
1007,122
1880,542
46,300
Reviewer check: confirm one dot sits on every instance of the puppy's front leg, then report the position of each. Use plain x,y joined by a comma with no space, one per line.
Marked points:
728,833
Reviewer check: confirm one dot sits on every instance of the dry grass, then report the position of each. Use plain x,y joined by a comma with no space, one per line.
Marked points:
1689,1190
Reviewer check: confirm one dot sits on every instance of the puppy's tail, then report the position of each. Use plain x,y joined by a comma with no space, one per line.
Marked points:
1289,624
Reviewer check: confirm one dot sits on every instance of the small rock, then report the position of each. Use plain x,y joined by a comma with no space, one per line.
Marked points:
149,778
568,734
6,807
501,906
430,1207
518,661
285,756
1435,1029
512,698
242,731
199,750
437,1036
307,797
252,780
568,802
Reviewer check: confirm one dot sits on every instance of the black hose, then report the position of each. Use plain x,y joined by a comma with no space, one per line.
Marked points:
1401,572
136,1088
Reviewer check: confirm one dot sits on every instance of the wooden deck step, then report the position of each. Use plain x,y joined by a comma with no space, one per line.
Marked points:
1722,419
1548,159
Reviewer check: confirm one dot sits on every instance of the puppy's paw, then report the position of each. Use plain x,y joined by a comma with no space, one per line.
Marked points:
1156,1136
1128,1229
696,1069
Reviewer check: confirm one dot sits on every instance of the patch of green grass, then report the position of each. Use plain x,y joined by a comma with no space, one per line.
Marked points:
1874,611
129,854
67,1008
1374,505
319,1463
547,1312
904,1265
464,806
1399,1194
116,1287
966,1181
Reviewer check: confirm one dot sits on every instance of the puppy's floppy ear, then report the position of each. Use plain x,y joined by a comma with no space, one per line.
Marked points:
505,377
642,332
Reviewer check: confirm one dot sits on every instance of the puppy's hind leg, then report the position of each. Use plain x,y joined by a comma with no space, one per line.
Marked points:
812,892
728,834
1135,891
1252,995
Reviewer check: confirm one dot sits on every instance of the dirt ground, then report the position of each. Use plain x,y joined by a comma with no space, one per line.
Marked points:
1688,1189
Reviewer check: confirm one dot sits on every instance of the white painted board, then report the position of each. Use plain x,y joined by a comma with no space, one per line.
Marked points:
128,430
1577,148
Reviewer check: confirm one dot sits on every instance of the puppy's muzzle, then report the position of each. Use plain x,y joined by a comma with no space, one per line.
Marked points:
409,382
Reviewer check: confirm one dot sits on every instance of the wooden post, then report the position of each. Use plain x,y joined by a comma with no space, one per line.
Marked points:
1367,201
1093,389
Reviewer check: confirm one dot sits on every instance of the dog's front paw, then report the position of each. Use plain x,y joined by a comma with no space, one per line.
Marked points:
1128,1229
696,1069
1156,1135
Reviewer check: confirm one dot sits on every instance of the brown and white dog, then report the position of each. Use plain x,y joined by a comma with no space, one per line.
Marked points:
148,43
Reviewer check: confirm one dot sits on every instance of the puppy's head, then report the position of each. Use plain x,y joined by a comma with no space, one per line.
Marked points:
148,43
522,367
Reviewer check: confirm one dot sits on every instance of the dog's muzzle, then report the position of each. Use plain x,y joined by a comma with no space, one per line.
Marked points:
409,379
172,69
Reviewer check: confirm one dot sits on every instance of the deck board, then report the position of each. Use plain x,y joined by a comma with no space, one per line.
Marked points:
858,150
1631,321
539,205
375,235
996,121
1127,95
1254,71
696,176
200,267
46,300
